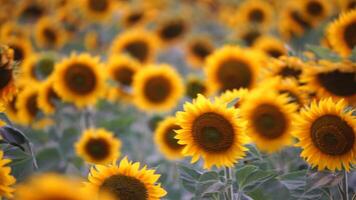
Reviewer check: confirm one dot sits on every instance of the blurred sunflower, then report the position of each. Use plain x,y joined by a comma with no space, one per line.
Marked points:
194,86
230,95
336,80
211,131
125,181
98,146
13,29
32,10
232,67
315,11
249,35
165,138
47,97
271,46
341,33
37,68
27,106
256,12
7,180
49,33
47,185
97,9
327,135
22,48
198,49
79,79
172,30
7,74
287,67
11,110
270,119
92,41
157,88
347,5
139,44
136,16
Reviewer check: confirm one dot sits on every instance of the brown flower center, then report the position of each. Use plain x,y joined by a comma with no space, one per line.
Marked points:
124,75
234,74
256,16
194,88
99,5
213,133
172,30
350,35
287,71
201,50
275,53
169,137
269,121
250,37
134,17
97,148
157,89
138,49
339,83
50,36
19,53
5,77
125,188
80,79
314,8
32,12
332,135
299,20
52,97
31,105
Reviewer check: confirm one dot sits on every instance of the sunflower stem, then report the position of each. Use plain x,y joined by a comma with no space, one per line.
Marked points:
345,187
229,189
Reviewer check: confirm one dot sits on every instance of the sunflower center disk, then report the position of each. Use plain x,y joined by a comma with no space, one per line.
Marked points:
135,17
157,89
31,105
80,79
269,121
194,88
256,16
349,35
124,76
332,135
5,77
125,188
250,37
314,8
98,5
97,148
19,54
172,31
169,138
138,50
234,74
200,50
213,133
50,36
43,68
275,53
299,20
290,72
339,83
33,12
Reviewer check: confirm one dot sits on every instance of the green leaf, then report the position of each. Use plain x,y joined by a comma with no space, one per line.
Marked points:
323,179
189,173
249,177
233,103
209,187
209,176
70,135
243,173
189,185
48,159
324,53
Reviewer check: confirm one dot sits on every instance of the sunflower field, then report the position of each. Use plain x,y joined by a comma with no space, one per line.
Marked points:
177,99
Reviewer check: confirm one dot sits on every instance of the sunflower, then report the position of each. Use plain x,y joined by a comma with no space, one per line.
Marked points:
98,146
195,86
139,44
347,5
198,49
231,67
249,35
327,135
79,79
49,33
22,48
341,33
256,12
11,110
125,181
172,30
165,138
31,11
157,88
7,75
287,67
137,16
12,29
270,119
230,95
70,21
315,11
271,46
211,131
336,80
7,180
92,40
97,9
47,97
47,185
27,106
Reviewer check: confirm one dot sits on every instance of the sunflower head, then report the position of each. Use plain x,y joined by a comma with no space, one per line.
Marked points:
157,88
198,50
286,67
97,9
47,97
79,79
327,135
125,181
21,46
273,47
172,29
98,146
230,95
195,86
49,34
7,75
7,180
27,106
255,12
270,119
211,131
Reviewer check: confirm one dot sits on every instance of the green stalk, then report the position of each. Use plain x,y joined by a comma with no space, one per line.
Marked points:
230,190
